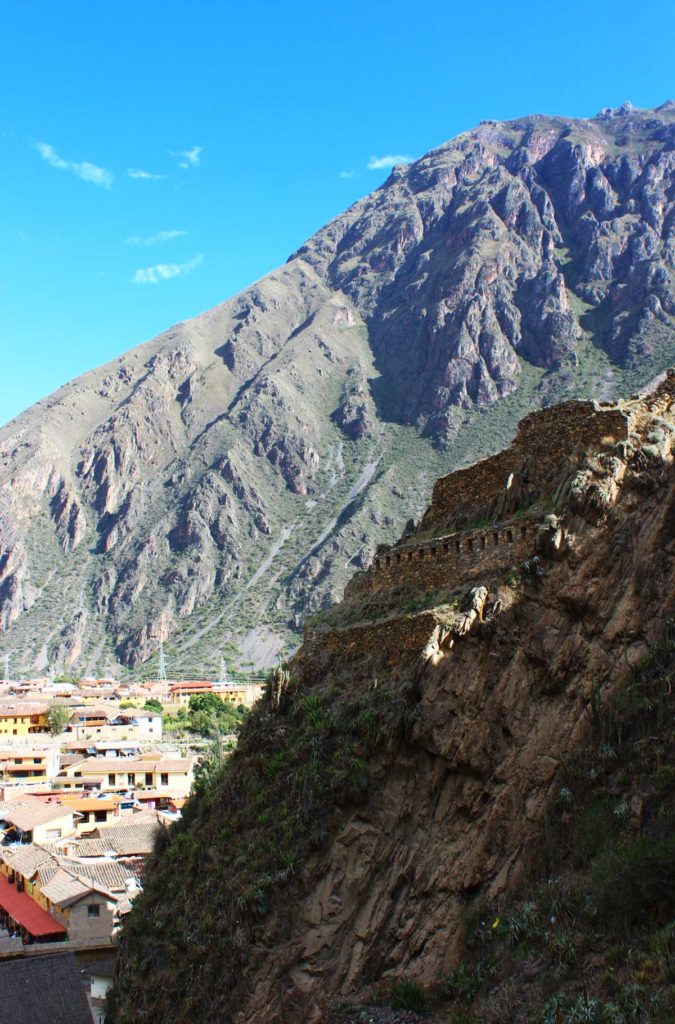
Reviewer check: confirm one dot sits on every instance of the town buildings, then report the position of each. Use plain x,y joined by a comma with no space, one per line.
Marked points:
80,810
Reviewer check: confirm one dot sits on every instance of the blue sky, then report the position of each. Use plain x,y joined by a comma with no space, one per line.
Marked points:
251,126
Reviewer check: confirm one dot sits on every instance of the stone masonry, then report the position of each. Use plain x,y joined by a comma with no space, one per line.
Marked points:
544,439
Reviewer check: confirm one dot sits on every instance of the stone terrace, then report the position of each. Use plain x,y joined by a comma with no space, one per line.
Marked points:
544,439
418,566
545,445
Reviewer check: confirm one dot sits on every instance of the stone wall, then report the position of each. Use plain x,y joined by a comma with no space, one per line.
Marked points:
387,643
663,396
544,439
429,565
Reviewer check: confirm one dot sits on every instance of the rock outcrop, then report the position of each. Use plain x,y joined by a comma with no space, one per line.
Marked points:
233,470
402,765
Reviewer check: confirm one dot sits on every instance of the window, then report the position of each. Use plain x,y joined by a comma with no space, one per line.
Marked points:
132,778
111,779
101,815
148,778
164,779
93,910
53,833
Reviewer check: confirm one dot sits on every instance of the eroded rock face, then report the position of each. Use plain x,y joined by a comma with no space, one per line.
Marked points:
159,484
485,694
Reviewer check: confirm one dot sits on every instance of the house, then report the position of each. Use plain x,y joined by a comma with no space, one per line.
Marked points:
111,723
84,907
172,775
27,766
34,821
245,694
43,990
22,718
20,913
180,693
73,898
143,723
92,811
131,839
234,693
102,748
92,717
101,974
156,800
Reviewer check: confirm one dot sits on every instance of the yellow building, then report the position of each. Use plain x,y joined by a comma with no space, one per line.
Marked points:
23,718
35,821
92,811
50,898
240,693
171,775
27,766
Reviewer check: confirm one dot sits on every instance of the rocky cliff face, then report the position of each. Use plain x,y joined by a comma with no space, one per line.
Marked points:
220,481
401,769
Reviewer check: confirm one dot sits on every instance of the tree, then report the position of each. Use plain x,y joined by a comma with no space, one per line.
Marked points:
208,766
204,723
58,718
209,715
208,702
152,704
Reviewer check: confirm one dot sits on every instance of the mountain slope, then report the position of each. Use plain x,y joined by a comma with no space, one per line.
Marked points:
434,732
284,430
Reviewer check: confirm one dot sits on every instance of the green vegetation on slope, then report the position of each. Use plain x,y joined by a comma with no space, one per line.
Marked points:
243,837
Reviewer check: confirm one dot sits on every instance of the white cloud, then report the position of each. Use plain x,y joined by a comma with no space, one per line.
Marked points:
165,271
161,236
135,172
84,170
382,163
49,154
347,174
190,157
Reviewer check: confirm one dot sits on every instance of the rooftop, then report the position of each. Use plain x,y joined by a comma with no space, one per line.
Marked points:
129,840
13,708
66,887
131,764
26,815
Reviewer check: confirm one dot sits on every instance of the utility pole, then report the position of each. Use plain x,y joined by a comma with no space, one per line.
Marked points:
161,672
223,671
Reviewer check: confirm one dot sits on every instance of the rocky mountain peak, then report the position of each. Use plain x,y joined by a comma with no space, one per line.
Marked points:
218,482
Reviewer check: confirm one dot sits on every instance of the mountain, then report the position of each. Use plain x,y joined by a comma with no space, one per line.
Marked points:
461,791
212,486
